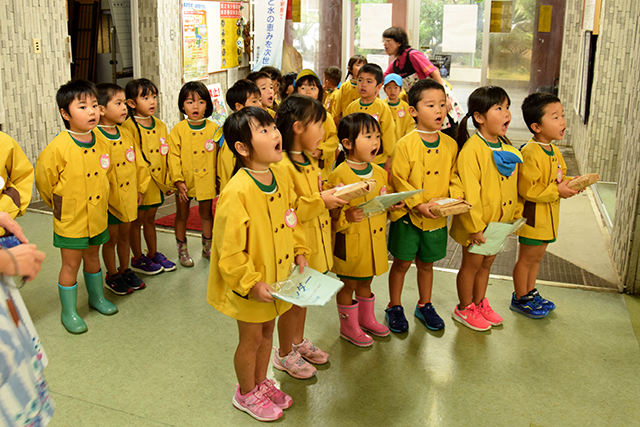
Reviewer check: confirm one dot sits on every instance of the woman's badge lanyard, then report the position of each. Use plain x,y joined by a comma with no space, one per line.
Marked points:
505,160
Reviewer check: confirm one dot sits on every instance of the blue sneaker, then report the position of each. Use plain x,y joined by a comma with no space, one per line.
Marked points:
395,319
542,301
527,306
145,266
429,317
158,258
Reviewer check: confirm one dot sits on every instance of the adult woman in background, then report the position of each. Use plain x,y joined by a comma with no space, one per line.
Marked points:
412,65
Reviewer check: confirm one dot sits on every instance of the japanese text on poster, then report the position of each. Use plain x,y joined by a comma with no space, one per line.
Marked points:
269,33
195,41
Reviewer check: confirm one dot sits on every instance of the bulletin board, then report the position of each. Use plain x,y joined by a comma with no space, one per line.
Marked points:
210,37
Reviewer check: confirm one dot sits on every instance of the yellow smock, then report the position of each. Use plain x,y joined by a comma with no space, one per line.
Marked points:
380,111
225,165
74,181
538,187
16,178
342,98
192,158
494,197
359,249
154,147
403,120
329,145
311,210
252,243
128,175
415,166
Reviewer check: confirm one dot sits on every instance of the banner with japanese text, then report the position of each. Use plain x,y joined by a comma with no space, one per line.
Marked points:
269,18
195,42
230,53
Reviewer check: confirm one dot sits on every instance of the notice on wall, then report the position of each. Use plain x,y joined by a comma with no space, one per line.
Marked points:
459,28
501,16
219,107
195,42
544,20
269,17
374,19
230,51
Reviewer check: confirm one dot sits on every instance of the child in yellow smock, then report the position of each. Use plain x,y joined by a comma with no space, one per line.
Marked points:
348,91
307,83
257,237
487,177
399,109
423,160
369,84
192,165
267,94
71,176
16,178
243,93
300,122
359,243
128,180
542,182
151,135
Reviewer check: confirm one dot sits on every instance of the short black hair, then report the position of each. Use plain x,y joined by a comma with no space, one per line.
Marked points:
202,91
287,80
373,69
257,75
237,127
415,93
533,107
274,73
353,125
334,74
72,90
311,79
240,92
399,35
106,92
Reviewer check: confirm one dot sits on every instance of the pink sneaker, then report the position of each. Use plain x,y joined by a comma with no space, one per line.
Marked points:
293,364
471,318
311,353
256,404
274,394
487,312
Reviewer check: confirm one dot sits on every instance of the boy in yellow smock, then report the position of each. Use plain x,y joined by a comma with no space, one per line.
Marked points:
128,181
399,109
267,94
542,182
243,93
369,84
16,178
423,160
71,176
332,78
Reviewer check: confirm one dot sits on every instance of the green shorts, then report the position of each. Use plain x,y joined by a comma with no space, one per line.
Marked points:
362,279
80,242
157,205
112,220
533,242
406,241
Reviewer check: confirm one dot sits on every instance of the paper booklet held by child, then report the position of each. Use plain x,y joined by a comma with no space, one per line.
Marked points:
583,181
448,206
496,235
353,191
381,204
306,289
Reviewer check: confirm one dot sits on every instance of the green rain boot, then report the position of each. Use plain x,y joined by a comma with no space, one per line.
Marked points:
97,301
69,317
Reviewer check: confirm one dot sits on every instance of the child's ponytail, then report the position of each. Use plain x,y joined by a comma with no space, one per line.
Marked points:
480,101
297,108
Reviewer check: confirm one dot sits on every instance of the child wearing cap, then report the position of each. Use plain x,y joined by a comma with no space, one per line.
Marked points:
399,108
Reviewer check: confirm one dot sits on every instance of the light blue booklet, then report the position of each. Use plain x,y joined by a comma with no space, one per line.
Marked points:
380,204
306,289
496,235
